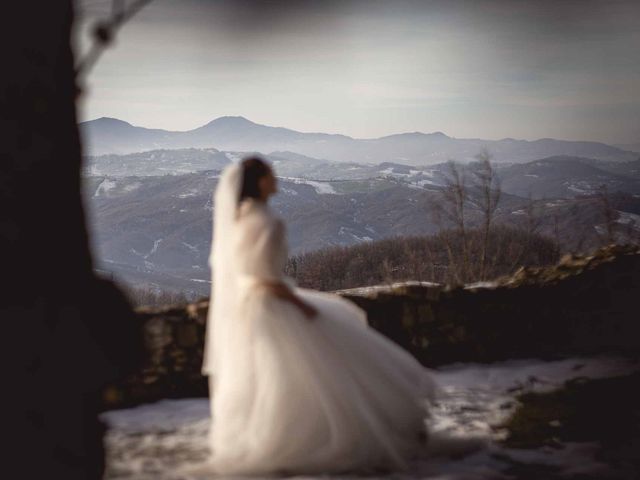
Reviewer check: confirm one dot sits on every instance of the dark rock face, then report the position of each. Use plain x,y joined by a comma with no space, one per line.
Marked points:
174,345
603,411
582,305
65,332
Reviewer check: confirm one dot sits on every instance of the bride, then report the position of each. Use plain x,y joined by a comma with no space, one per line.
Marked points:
299,383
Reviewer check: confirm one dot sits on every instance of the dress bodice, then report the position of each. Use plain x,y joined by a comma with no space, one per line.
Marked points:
262,248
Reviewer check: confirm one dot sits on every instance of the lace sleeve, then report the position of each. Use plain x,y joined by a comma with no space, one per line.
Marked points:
264,254
275,250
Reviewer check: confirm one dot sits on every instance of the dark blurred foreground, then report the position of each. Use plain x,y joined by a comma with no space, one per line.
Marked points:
65,333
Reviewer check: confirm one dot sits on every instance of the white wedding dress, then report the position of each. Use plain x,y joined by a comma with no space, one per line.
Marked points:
292,394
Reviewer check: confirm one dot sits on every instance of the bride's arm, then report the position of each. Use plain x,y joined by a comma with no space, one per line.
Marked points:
283,291
265,262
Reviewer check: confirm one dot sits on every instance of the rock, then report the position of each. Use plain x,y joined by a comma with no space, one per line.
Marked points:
584,305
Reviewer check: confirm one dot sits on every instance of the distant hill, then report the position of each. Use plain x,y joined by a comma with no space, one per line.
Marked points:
564,176
632,147
113,136
150,213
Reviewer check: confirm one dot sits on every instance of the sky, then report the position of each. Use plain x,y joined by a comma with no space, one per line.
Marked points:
491,69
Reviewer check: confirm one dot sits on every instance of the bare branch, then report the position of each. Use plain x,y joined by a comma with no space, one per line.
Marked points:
105,31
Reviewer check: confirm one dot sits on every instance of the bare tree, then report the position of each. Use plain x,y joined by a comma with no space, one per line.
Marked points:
469,255
105,31
531,226
609,215
487,183
450,211
556,233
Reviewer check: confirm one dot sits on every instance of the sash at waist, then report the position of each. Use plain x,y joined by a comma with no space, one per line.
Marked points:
249,281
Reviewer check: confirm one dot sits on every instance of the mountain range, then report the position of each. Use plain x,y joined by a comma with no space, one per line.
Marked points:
150,213
113,136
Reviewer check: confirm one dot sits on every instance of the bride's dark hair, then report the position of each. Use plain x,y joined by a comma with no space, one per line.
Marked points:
253,169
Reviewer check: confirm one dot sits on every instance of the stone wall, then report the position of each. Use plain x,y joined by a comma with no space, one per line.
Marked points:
583,305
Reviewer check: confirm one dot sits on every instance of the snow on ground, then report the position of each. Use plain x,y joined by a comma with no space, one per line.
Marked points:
423,182
383,288
156,441
627,218
192,248
153,250
321,188
580,187
480,284
192,192
233,156
105,186
287,191
132,187
346,231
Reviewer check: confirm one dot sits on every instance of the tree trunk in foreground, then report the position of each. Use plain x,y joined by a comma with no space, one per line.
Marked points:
65,333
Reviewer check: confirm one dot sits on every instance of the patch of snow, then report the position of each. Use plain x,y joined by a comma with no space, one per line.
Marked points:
190,247
385,288
189,193
485,284
233,156
105,186
160,440
322,188
131,187
153,250
532,374
579,187
627,218
424,182
288,191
